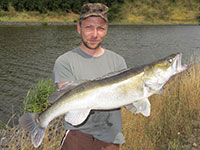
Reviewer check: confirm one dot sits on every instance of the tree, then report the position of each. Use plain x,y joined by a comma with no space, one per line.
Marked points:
4,4
18,5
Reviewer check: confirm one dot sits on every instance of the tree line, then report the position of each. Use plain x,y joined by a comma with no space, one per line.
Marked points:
51,5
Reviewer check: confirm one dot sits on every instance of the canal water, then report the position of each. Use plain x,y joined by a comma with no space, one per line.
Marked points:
28,53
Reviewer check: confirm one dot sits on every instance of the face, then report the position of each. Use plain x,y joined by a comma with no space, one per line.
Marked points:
92,30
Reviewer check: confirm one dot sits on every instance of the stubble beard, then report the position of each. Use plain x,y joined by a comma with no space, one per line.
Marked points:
89,47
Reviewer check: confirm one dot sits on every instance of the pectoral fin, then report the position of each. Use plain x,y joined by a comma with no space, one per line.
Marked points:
159,92
77,117
142,106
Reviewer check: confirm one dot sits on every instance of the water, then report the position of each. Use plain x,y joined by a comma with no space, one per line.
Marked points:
28,53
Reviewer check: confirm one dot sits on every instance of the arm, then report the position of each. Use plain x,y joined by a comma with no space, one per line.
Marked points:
61,84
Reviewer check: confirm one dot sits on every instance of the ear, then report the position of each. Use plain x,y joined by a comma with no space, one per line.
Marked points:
78,28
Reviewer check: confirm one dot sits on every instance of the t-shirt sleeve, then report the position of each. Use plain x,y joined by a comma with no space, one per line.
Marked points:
122,65
62,71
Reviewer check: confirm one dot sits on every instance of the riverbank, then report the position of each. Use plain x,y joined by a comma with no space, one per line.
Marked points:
36,18
14,21
73,23
137,12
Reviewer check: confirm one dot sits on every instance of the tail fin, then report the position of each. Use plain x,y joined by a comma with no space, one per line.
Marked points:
28,122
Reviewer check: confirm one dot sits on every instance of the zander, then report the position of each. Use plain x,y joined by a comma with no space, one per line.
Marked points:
130,88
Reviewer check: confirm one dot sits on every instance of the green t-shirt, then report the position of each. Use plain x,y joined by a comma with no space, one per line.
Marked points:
104,125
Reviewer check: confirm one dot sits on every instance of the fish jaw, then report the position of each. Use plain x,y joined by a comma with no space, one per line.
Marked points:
158,74
179,67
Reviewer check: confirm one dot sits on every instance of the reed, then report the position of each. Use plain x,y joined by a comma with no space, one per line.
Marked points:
172,114
168,127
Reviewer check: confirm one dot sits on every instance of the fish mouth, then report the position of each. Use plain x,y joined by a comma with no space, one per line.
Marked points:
178,63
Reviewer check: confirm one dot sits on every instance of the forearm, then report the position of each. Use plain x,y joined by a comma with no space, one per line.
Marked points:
61,84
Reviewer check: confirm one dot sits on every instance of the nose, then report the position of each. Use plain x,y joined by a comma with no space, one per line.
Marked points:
95,33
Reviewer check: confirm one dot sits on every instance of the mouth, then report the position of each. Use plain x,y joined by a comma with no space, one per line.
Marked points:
93,41
178,63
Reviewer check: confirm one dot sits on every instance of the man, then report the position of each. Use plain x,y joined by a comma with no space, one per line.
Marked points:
102,129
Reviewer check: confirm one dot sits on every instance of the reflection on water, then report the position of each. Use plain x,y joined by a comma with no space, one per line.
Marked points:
28,52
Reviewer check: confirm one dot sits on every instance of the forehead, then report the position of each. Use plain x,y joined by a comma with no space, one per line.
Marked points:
94,20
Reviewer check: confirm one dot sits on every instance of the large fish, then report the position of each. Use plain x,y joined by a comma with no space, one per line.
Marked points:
130,88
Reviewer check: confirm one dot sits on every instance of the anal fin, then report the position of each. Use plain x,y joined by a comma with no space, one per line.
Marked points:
77,117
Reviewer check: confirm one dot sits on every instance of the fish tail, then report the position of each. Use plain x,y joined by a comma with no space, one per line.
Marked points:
29,123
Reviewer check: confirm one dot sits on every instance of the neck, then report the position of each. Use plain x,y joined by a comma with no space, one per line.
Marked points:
92,52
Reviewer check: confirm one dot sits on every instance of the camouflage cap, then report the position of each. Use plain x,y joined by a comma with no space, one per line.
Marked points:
94,9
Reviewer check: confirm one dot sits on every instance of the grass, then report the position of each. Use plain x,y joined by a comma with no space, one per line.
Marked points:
36,98
171,117
168,127
33,16
159,12
130,12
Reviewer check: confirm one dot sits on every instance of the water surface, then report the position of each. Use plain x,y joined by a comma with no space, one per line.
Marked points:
28,53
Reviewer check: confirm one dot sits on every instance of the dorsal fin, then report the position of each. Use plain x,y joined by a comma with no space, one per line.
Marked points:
111,74
64,89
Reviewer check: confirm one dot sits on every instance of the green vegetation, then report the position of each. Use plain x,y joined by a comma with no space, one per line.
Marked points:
51,5
169,127
36,98
10,9
161,12
121,11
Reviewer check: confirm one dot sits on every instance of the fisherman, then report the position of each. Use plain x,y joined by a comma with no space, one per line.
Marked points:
102,130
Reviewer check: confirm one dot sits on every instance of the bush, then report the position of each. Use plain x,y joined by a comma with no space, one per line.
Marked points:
18,5
36,98
52,5
4,4
114,12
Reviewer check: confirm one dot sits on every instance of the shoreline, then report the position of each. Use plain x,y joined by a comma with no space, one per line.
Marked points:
74,23
35,23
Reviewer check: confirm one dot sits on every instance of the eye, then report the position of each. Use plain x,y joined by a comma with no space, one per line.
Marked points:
170,60
88,27
100,28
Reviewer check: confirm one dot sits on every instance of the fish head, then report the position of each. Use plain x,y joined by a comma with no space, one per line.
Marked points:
159,72
169,66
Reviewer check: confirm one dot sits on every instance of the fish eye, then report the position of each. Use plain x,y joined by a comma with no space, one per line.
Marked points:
170,60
